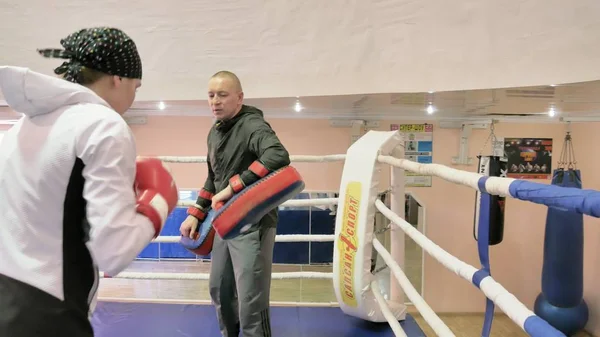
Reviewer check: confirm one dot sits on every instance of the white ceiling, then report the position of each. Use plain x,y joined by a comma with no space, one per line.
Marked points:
283,48
343,58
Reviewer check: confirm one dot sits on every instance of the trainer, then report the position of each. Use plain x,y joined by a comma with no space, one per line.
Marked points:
242,148
73,197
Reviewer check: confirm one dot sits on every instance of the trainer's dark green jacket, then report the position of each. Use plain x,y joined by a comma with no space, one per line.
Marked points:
233,145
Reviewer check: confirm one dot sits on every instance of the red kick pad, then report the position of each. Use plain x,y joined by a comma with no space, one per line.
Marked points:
249,205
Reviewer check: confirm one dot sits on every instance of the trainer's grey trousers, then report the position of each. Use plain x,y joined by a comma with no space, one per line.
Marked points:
240,282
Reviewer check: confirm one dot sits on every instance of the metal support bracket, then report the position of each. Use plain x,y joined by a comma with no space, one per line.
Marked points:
463,147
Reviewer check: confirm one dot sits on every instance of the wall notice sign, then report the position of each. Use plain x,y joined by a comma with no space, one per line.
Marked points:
418,147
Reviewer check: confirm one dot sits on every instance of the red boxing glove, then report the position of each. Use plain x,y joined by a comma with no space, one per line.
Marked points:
156,191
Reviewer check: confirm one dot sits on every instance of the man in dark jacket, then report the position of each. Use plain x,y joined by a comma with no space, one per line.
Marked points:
240,145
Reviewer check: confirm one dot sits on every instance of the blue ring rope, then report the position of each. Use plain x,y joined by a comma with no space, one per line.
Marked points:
483,240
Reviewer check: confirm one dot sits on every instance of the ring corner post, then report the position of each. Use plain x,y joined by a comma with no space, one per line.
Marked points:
354,230
397,205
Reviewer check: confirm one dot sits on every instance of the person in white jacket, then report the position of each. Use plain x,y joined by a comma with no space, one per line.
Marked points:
74,197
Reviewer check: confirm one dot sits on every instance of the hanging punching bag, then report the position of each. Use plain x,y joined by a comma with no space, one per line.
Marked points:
561,302
492,166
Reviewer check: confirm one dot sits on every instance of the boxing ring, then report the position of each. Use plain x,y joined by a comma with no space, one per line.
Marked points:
370,303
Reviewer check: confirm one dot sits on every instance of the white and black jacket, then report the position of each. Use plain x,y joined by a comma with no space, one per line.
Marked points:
67,204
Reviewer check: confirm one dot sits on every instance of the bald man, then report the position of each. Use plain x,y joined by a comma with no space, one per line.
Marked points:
240,275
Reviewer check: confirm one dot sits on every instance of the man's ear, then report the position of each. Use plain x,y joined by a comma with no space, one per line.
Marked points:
241,96
117,81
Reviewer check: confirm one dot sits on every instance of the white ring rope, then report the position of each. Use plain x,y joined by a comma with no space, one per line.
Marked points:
385,309
506,301
289,203
494,185
434,321
278,238
294,159
205,276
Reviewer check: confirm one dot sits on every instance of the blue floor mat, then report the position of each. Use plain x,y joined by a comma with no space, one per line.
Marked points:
113,319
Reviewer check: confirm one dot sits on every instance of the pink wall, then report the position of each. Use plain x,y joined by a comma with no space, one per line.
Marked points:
449,207
186,136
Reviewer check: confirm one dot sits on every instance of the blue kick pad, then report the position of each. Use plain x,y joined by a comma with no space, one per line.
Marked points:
113,319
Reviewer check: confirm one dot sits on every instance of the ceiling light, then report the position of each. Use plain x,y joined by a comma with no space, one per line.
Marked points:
161,105
298,107
430,109
551,112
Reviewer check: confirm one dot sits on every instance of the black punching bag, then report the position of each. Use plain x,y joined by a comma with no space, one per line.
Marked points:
492,166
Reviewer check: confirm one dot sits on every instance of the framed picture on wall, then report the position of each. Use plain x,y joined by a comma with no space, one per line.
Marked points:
529,158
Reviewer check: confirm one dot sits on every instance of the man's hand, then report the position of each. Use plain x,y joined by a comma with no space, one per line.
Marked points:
222,196
189,226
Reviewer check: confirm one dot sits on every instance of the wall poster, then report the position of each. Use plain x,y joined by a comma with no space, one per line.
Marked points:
529,158
418,147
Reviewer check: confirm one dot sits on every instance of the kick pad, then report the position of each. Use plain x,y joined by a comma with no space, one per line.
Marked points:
249,205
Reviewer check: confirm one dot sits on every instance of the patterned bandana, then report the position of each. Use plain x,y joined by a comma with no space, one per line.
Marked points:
104,49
